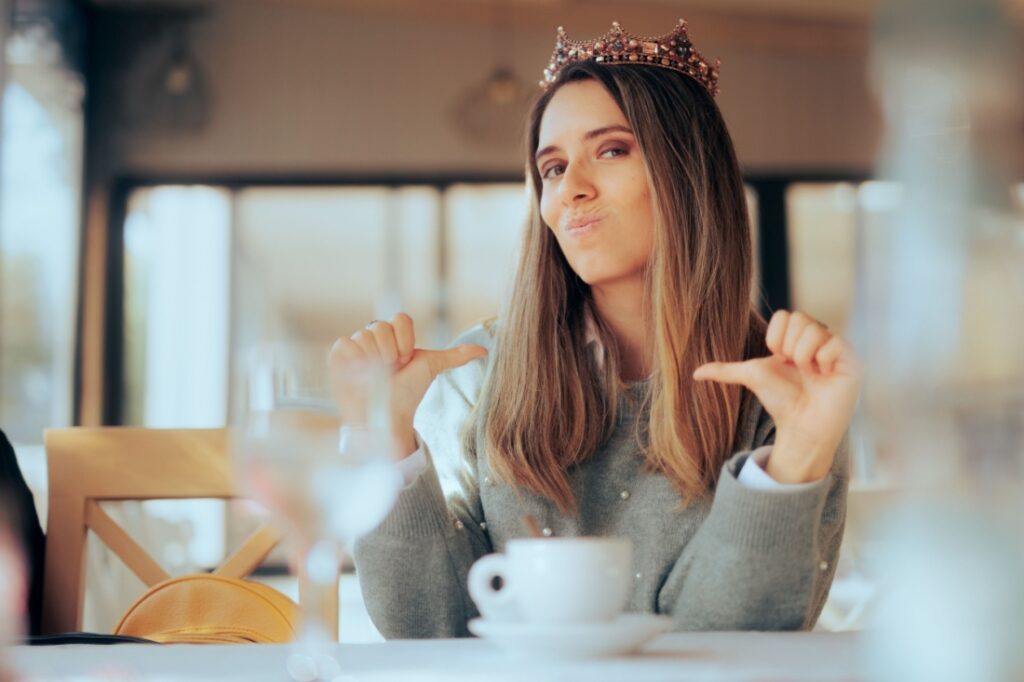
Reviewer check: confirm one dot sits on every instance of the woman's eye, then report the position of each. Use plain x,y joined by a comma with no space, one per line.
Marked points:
614,151
552,170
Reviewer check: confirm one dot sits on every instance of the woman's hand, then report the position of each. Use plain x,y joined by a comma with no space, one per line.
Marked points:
809,385
394,343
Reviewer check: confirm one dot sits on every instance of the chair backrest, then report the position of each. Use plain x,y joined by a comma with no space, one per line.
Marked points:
90,465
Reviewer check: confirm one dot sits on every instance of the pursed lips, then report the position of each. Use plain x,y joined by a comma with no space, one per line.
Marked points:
583,224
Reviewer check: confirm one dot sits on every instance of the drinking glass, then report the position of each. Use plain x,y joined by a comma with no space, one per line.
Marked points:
312,444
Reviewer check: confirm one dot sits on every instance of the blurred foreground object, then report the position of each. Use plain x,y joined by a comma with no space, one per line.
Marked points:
13,587
313,444
943,313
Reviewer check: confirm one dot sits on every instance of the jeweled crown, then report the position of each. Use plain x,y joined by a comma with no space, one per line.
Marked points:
670,51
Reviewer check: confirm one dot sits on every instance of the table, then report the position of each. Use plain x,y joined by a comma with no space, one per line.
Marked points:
694,657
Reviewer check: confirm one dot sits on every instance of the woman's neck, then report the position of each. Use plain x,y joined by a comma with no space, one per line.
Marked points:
621,306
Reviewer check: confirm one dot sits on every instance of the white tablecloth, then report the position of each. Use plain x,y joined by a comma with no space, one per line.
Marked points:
719,657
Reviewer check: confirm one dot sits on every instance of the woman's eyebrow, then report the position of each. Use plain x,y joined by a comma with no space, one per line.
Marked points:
589,135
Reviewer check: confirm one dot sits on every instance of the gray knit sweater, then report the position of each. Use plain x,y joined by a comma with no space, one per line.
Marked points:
745,559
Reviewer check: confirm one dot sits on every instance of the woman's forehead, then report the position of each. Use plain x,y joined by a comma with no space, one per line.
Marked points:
575,109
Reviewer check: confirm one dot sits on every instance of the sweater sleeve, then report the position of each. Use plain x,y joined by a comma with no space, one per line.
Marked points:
413,567
762,559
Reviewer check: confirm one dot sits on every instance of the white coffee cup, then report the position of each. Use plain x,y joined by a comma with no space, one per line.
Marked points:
555,580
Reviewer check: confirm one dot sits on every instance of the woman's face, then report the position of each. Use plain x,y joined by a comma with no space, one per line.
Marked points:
595,196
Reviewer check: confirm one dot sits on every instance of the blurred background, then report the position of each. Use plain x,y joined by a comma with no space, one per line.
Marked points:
182,176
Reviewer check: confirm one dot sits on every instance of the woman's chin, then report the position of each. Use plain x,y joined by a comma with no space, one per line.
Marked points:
604,279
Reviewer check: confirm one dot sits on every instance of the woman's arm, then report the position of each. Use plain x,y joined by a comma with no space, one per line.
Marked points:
762,559
413,567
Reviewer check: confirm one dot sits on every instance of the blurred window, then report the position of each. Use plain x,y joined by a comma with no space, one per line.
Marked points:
821,227
312,264
827,225
39,222
485,226
176,307
208,270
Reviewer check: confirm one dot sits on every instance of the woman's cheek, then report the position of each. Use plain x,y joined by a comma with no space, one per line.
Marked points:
549,213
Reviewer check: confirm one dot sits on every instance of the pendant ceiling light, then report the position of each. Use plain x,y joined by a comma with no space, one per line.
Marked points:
175,96
491,112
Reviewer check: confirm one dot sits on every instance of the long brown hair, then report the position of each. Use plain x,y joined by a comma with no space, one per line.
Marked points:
546,403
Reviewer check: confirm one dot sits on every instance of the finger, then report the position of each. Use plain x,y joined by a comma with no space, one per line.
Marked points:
813,338
440,360
345,350
777,331
384,337
741,373
829,353
405,336
364,339
797,323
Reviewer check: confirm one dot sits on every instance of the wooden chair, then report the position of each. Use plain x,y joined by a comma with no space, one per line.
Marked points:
90,465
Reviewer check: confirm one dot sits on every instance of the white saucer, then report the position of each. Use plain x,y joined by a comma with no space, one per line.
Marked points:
623,635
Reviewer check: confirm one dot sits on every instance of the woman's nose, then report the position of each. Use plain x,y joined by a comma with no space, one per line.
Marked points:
576,184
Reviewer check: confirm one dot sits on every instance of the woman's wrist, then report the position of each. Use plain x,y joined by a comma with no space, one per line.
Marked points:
796,459
405,441
403,432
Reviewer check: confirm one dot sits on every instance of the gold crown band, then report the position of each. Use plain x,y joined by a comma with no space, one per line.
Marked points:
670,51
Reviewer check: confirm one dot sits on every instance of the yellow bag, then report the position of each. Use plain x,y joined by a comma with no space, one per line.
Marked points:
211,609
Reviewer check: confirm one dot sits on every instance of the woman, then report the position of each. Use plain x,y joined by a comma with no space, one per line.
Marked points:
630,388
